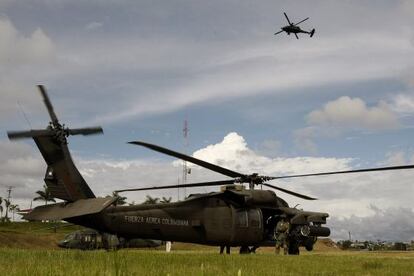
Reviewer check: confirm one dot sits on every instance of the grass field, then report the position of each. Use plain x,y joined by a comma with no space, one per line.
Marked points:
151,262
30,249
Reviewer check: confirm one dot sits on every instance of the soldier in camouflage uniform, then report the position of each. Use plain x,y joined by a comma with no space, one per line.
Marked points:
281,234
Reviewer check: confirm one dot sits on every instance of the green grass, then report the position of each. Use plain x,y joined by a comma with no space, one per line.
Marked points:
38,227
30,249
150,262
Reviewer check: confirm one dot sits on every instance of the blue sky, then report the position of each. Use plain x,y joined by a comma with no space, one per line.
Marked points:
342,99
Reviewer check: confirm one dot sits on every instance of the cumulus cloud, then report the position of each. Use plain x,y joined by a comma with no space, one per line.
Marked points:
22,169
18,49
342,115
346,112
233,152
21,56
390,224
269,147
402,104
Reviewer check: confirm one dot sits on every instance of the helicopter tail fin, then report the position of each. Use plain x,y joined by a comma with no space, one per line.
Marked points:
312,32
62,178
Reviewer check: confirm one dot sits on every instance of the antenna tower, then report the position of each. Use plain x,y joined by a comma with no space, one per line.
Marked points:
186,170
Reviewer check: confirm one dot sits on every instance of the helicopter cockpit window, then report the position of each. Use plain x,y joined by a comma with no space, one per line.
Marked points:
70,236
242,219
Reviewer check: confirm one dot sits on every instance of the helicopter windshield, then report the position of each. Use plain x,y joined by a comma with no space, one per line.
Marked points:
70,236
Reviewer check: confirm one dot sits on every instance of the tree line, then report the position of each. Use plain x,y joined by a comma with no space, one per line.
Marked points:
44,195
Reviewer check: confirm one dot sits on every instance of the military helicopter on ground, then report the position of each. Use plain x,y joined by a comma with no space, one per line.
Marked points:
294,28
89,239
234,216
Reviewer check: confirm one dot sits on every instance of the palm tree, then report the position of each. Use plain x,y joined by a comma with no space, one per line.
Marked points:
165,200
1,208
151,200
7,205
121,200
44,195
13,208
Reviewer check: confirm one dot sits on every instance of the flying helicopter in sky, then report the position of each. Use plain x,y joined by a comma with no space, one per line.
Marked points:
294,28
232,217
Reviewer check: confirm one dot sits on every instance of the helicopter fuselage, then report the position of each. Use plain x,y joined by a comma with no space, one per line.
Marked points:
293,29
247,219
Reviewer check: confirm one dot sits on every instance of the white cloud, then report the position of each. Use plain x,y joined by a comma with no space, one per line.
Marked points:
24,61
342,115
233,153
390,224
304,139
346,112
17,49
402,104
397,158
93,26
269,147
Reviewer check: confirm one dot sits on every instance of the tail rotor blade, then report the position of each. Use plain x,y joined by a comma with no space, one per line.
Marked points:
48,104
14,135
86,131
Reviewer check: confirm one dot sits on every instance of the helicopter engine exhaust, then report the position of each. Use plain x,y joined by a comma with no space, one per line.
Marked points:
314,231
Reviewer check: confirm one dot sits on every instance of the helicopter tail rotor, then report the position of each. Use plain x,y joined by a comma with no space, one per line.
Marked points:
54,129
312,32
62,178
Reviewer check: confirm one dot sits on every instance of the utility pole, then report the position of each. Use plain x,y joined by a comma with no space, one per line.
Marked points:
9,190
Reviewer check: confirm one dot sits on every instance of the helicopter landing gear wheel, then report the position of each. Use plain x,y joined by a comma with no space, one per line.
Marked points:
222,249
244,250
293,249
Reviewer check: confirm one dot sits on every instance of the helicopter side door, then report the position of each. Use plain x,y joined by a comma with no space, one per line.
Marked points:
248,226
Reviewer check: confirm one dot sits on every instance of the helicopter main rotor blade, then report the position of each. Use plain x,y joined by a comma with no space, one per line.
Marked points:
290,192
350,171
48,104
301,21
201,184
86,131
191,159
279,32
287,18
13,135
296,36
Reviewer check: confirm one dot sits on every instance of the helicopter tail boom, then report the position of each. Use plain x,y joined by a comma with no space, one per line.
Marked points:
62,211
